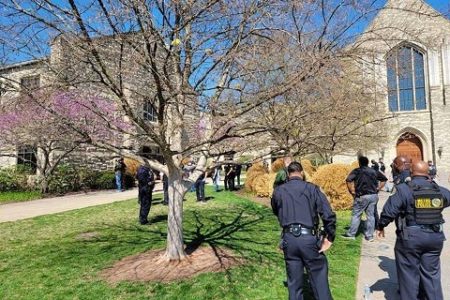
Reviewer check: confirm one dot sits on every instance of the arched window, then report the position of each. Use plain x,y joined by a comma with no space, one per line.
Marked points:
406,80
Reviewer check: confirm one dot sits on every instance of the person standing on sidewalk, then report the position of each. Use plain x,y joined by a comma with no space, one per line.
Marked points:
298,205
364,183
418,206
119,170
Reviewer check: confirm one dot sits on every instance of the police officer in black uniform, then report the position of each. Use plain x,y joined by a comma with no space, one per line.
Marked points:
298,206
401,172
146,183
418,204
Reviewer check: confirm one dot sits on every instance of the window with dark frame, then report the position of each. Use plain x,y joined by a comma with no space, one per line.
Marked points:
2,89
149,112
406,80
26,156
30,83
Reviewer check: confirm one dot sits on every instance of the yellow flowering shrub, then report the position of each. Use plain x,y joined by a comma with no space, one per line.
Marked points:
132,166
252,173
331,179
277,165
308,168
263,184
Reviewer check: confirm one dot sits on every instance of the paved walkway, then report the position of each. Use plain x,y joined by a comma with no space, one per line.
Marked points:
30,209
377,265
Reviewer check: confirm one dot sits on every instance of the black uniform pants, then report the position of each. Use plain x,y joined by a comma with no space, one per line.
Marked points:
200,190
225,182
166,192
418,264
230,181
145,201
300,253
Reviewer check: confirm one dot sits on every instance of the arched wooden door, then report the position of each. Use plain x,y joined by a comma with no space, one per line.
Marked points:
409,145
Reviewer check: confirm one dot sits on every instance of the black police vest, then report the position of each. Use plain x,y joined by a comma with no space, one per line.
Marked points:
427,206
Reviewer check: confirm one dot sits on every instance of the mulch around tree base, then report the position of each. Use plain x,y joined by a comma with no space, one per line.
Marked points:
154,266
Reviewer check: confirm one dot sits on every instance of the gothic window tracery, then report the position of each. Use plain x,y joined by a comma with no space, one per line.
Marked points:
406,80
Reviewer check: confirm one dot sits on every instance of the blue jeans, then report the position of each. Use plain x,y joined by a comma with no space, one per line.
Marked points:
365,204
217,184
119,181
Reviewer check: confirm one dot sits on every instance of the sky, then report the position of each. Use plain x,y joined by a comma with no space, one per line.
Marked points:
443,6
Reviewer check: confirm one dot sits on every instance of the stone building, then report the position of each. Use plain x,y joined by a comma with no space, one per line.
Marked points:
70,67
406,59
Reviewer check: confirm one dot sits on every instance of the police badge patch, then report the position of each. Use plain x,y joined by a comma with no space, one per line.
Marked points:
437,203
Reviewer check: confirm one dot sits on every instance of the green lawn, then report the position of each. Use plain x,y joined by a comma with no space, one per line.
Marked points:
6,197
44,258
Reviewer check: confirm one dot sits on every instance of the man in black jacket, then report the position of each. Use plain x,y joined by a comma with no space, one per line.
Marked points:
364,183
146,182
298,206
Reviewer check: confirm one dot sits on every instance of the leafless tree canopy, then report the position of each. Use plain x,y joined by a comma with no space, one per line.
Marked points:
202,77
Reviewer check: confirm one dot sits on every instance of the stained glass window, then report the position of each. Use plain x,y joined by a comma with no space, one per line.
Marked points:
406,80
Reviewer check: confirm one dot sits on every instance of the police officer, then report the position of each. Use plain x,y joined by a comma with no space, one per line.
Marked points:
418,204
298,205
401,169
146,183
165,181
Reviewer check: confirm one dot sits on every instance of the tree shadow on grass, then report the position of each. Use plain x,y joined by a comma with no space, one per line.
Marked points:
246,232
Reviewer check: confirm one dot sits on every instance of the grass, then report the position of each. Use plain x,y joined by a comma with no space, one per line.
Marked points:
7,197
43,257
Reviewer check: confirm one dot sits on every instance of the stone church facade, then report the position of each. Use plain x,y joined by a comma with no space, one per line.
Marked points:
406,58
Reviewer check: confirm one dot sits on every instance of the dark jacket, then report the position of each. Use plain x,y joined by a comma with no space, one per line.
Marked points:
300,202
145,177
120,166
366,180
398,203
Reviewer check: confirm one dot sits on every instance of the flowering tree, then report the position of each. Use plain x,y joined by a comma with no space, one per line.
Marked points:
24,122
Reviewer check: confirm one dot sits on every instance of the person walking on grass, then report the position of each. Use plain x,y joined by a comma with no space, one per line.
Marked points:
200,188
216,178
146,183
364,183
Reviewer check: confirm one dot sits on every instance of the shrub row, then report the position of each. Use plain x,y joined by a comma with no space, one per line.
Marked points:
14,179
67,178
330,178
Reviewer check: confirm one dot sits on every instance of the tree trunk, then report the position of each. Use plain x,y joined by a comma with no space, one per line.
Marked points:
44,185
175,243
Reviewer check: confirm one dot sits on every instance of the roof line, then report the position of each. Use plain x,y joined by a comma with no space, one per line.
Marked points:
23,64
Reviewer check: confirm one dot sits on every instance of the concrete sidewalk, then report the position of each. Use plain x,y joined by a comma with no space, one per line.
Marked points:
30,209
377,265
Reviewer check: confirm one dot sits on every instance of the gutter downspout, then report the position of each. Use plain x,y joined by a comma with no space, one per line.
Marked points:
433,145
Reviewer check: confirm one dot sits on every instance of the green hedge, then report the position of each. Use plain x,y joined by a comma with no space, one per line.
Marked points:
14,178
68,178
